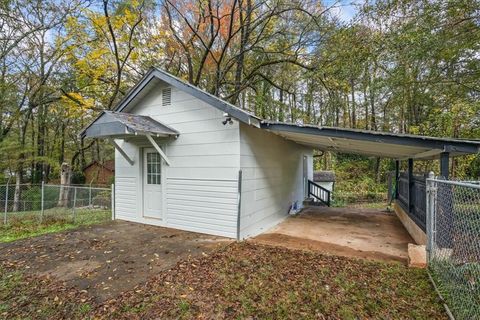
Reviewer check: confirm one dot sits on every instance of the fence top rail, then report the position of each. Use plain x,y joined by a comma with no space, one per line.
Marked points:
470,184
56,185
77,187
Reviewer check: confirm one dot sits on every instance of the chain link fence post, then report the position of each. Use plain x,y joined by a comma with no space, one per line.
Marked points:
430,212
42,203
74,203
6,202
453,231
90,194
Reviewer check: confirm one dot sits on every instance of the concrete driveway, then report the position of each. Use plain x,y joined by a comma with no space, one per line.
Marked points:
106,259
363,233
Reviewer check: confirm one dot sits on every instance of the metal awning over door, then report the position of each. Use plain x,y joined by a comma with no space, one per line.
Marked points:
118,125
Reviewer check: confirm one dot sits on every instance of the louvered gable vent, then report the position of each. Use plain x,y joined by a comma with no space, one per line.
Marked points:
166,96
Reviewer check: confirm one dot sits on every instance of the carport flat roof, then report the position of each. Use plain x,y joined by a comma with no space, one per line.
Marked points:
371,143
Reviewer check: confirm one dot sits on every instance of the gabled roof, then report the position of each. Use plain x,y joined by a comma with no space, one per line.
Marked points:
113,124
107,165
371,143
154,74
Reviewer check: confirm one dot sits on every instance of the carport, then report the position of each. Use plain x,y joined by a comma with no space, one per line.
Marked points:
361,233
351,232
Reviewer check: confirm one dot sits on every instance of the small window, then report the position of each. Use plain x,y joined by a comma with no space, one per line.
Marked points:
154,166
166,96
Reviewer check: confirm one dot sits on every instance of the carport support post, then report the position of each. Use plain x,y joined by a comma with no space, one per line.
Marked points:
410,185
397,175
444,162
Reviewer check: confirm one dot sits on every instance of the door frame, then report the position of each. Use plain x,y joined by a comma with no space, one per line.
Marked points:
164,166
305,175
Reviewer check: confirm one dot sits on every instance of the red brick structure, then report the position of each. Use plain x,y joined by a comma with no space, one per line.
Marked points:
98,173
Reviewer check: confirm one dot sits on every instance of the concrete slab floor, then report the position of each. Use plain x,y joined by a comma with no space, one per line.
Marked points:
362,233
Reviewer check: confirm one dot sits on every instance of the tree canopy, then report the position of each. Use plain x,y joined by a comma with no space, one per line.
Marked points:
403,66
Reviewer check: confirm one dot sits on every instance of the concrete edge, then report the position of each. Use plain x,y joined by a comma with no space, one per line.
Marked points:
417,234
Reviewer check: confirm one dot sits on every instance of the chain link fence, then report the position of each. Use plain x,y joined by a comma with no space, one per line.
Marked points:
453,229
54,204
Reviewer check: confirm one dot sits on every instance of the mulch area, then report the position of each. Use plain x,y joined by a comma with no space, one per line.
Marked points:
256,282
237,280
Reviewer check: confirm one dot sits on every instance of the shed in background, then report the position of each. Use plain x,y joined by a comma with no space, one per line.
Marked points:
325,179
99,173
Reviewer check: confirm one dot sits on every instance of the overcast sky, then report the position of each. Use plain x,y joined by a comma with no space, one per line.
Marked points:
344,9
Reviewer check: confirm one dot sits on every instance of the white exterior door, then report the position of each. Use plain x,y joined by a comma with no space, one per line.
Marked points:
152,184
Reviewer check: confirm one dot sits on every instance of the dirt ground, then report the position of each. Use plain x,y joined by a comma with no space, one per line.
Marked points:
362,233
108,259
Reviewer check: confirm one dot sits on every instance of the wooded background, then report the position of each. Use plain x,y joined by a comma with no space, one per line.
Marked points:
400,66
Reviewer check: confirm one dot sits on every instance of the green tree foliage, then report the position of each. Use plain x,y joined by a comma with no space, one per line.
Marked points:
400,65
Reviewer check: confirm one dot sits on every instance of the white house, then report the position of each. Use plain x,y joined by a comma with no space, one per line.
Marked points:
186,159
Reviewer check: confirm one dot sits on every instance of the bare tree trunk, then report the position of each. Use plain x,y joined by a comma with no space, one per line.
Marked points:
377,170
244,37
373,121
18,188
354,112
65,180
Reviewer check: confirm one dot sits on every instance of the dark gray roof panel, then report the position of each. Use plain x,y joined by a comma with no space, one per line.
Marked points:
118,124
137,123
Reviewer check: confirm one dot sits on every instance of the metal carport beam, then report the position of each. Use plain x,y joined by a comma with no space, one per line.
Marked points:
122,152
426,155
373,141
157,147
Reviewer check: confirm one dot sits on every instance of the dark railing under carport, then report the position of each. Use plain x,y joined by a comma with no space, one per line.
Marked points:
417,211
397,146
410,190
319,193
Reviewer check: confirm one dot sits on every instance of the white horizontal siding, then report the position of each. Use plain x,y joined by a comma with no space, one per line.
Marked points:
126,196
272,172
200,189
203,205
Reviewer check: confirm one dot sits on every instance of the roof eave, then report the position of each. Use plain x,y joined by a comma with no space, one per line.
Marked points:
224,106
446,145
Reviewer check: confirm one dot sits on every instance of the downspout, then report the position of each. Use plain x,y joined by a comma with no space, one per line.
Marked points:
239,204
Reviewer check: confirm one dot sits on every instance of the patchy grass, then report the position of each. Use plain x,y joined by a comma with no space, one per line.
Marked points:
241,281
245,280
27,224
371,205
27,297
